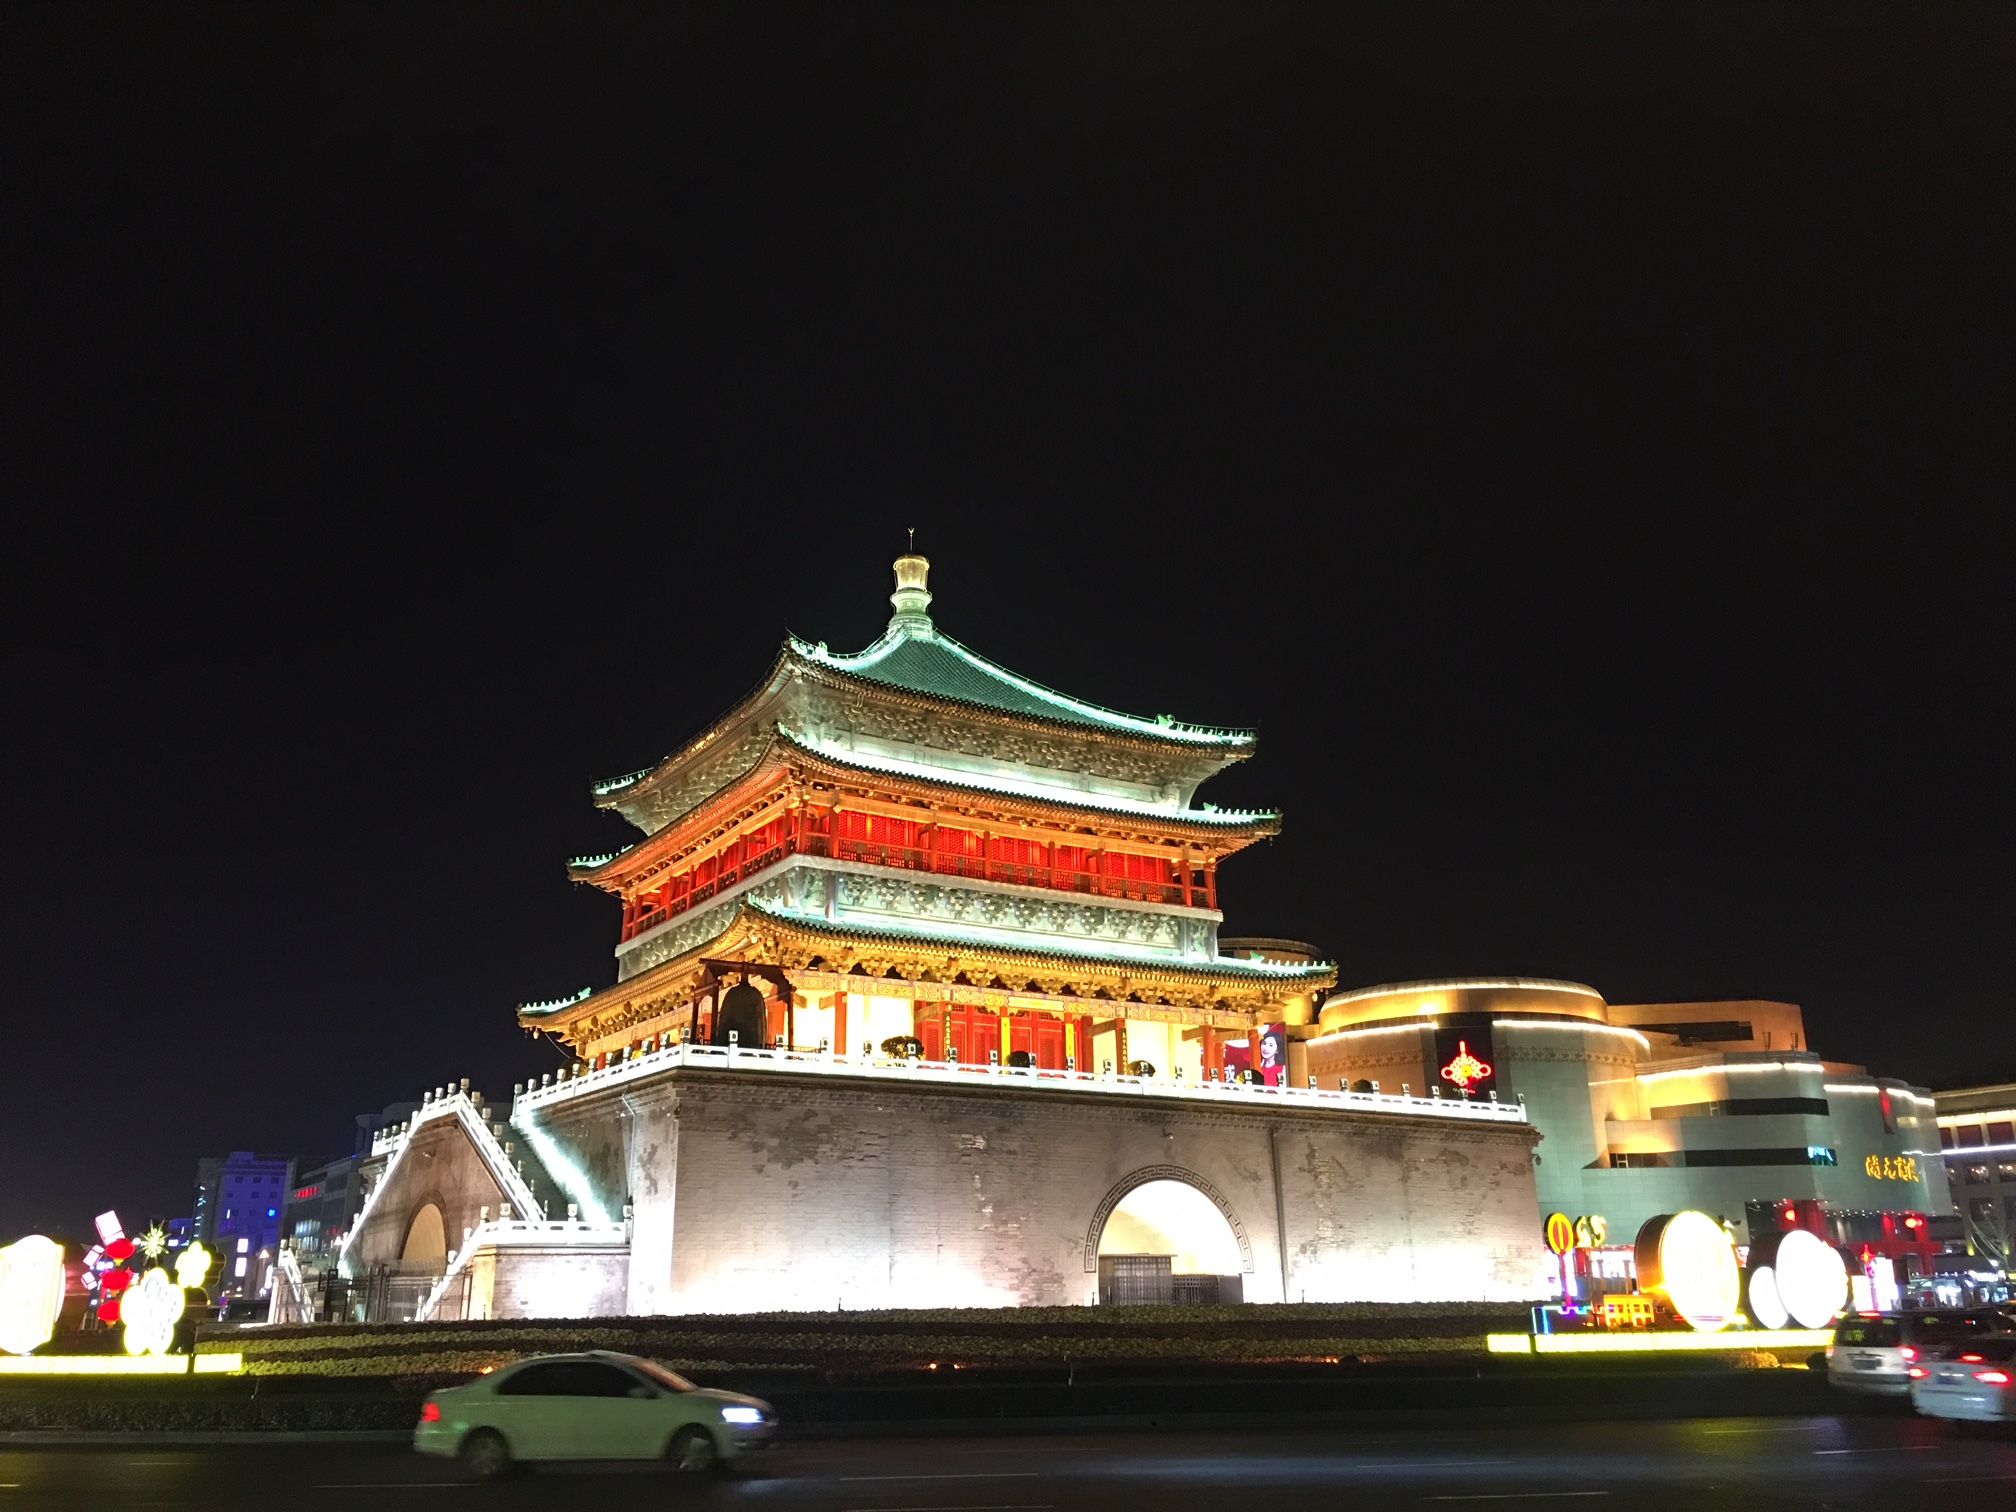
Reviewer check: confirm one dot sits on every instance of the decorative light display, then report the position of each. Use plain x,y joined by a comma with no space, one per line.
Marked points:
1767,1307
1464,1069
150,1310
154,1243
1560,1233
192,1265
31,1293
1688,1260
1812,1278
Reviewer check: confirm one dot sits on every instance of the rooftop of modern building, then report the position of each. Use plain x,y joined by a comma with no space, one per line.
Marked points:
1423,1001
1991,1097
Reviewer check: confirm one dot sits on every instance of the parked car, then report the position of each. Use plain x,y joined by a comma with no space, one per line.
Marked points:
1970,1380
595,1406
1873,1352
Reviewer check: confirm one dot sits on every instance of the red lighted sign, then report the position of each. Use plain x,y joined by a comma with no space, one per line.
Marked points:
1465,1070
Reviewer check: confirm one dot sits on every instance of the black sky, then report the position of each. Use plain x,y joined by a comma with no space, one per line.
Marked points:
1578,437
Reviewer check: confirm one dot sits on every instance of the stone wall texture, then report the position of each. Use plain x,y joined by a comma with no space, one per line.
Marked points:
756,1192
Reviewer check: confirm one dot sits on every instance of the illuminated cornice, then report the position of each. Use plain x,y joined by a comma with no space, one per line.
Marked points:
1808,1068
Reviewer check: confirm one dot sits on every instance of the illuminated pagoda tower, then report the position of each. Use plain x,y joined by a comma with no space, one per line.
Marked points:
982,919
912,842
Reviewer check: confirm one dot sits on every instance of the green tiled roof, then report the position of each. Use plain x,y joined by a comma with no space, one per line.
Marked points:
917,658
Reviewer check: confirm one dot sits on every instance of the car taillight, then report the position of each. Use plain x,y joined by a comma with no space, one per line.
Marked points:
1993,1377
1908,1352
1916,1372
1970,1359
430,1412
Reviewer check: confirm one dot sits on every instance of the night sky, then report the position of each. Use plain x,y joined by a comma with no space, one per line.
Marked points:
1579,438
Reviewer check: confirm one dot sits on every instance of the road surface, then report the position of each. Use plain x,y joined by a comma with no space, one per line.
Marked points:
1700,1465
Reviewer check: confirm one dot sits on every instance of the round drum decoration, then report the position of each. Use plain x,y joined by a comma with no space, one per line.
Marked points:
1687,1260
1812,1279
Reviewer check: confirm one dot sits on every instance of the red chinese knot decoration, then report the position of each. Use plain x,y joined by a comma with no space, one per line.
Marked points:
1465,1070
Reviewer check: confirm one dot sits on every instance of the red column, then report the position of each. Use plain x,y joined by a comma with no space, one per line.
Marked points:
840,1022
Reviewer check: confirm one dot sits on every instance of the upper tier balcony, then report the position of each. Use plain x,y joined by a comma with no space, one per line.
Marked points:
739,863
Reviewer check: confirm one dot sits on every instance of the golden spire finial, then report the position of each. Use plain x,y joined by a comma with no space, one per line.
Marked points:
911,598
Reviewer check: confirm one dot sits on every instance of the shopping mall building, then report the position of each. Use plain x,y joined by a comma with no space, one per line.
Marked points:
1645,1108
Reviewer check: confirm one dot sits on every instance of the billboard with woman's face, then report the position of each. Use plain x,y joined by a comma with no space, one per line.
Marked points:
1273,1057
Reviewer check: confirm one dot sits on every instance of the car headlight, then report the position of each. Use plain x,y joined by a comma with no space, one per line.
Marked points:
745,1416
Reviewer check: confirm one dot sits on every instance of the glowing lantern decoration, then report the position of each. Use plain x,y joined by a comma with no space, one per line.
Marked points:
1812,1280
1767,1307
1688,1260
31,1293
1465,1070
150,1310
191,1266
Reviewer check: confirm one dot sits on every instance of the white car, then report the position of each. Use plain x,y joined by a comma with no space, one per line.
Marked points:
1970,1380
595,1406
1872,1353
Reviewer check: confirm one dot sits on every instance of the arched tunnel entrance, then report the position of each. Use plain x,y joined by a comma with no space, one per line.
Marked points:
1165,1242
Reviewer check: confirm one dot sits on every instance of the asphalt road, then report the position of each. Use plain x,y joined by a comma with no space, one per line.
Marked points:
1719,1463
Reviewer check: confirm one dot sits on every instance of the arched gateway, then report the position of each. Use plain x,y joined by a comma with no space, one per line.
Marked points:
1166,1234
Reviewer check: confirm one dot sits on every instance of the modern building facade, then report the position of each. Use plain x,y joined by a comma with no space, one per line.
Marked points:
237,1216
1977,1145
1647,1108
920,1001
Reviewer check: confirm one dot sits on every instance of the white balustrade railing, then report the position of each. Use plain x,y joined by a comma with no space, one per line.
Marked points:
1005,1078
475,1120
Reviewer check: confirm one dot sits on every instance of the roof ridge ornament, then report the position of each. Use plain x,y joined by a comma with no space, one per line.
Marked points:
911,598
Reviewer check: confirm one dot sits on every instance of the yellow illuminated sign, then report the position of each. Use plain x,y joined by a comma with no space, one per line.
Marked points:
121,1365
1891,1167
31,1293
1647,1342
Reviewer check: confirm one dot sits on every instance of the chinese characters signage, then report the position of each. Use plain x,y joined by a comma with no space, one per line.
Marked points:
1891,1167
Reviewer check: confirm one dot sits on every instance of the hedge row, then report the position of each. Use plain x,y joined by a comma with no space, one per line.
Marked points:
884,1340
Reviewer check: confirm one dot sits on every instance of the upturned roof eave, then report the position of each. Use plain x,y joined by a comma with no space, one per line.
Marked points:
1228,970
1167,733
796,654
1248,827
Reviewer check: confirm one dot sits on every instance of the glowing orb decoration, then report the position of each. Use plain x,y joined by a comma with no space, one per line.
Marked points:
31,1293
1688,1261
1767,1308
191,1266
1812,1279
150,1310
1465,1070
